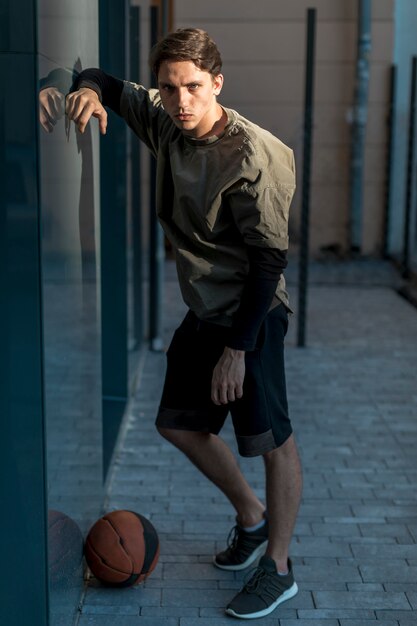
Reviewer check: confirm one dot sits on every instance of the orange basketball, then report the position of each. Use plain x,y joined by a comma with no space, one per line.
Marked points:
122,548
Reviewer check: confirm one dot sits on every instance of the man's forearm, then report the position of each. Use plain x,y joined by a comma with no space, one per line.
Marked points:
265,270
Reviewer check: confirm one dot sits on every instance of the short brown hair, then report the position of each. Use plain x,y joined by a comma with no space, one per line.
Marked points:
187,44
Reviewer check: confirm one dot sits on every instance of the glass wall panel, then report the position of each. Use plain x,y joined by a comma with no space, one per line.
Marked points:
69,172
23,598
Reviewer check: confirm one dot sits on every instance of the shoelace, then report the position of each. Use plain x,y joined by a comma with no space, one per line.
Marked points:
254,582
233,537
253,579
238,538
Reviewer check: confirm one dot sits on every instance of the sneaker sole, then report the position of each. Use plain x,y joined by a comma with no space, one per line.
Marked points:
290,593
259,551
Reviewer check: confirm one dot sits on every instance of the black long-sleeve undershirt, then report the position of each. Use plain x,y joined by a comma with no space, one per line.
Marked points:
265,268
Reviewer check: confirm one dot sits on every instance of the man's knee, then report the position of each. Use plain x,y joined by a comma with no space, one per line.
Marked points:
167,433
287,449
181,438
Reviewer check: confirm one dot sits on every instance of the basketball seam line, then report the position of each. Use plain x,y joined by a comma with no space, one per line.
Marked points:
110,566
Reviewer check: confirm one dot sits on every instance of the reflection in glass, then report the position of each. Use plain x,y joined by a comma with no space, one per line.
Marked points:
65,551
68,32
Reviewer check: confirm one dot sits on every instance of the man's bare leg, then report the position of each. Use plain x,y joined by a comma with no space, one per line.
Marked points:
210,454
283,495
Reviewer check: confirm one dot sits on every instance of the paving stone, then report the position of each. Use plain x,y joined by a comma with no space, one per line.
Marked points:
62,620
182,547
167,583
388,573
122,620
324,509
406,587
281,612
358,492
318,546
371,510
369,587
105,609
374,600
121,597
366,541
207,528
335,573
327,585
194,572
319,562
178,558
385,551
404,617
168,611
337,613
388,530
222,621
235,585
199,597
301,622
368,622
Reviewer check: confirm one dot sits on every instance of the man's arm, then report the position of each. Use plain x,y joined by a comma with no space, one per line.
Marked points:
265,268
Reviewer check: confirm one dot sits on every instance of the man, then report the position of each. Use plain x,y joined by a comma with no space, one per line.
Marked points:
224,186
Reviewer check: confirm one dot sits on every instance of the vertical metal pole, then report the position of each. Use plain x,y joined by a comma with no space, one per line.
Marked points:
410,170
113,234
305,209
156,243
389,161
360,113
135,191
165,17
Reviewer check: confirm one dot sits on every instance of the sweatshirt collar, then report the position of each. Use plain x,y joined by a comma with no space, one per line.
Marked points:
213,138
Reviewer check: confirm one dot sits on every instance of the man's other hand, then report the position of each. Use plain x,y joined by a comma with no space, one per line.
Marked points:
228,376
81,105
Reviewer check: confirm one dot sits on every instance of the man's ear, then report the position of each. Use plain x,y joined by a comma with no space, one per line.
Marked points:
217,84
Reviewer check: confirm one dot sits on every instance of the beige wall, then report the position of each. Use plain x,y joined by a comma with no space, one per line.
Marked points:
263,49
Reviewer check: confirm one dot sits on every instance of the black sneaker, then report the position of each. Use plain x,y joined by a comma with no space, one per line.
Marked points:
243,548
263,592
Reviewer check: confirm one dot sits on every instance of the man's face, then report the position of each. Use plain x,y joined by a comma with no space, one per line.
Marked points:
188,95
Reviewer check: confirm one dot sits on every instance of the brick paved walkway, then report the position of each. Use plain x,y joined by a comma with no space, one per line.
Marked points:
353,400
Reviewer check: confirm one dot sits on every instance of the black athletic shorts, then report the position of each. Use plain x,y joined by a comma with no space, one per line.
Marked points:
260,417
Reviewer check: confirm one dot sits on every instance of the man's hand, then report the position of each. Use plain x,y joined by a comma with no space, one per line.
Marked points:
228,376
51,107
81,105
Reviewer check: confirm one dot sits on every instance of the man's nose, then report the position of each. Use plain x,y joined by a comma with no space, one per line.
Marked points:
183,98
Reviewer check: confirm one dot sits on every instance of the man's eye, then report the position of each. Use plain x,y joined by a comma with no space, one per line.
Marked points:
193,86
167,87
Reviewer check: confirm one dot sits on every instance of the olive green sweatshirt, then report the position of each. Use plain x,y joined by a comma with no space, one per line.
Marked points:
228,192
